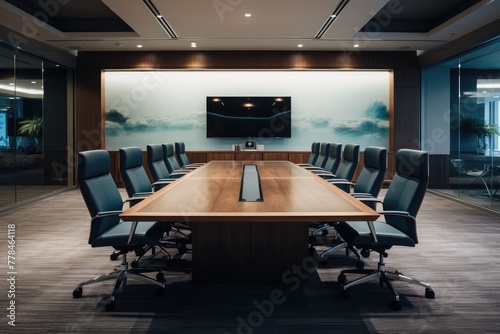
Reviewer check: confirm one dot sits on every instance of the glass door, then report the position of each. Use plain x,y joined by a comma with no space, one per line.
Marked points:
479,149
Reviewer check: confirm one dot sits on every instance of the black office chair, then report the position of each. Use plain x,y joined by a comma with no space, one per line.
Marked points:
138,187
367,185
345,171
104,202
346,167
157,167
400,207
170,160
332,161
160,174
313,156
182,158
324,151
134,175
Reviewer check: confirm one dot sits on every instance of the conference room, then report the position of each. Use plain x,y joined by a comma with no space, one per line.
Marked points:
249,233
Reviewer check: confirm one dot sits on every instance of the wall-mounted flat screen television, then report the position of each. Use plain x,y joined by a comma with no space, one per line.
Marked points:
249,116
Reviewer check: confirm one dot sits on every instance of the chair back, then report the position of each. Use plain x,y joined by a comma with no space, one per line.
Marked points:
324,151
156,163
133,174
372,174
99,190
314,153
169,158
180,153
407,189
334,157
350,159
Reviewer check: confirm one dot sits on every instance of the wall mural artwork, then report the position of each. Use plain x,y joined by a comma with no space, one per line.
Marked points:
145,107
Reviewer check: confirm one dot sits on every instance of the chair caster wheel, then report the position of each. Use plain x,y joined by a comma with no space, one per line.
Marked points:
110,306
345,294
360,264
365,253
324,233
429,293
134,264
342,279
396,305
160,277
77,293
114,256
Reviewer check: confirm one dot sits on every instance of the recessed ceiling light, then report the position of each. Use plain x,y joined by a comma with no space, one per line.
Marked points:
139,46
248,15
300,45
193,45
33,82
356,45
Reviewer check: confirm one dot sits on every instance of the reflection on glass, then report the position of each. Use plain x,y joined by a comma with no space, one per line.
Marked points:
33,130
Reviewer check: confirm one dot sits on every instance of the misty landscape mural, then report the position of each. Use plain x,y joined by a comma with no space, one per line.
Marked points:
144,107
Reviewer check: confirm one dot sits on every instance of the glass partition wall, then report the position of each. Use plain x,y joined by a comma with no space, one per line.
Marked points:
465,93
33,127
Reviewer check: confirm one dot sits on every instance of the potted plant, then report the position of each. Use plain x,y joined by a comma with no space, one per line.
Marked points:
32,127
477,126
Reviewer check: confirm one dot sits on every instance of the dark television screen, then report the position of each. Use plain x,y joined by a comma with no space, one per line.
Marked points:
249,116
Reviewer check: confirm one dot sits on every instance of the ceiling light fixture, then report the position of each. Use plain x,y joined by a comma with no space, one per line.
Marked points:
161,20
139,46
331,18
356,45
193,45
248,15
300,45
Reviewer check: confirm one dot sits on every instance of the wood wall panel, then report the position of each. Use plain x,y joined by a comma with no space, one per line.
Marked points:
275,156
219,156
248,156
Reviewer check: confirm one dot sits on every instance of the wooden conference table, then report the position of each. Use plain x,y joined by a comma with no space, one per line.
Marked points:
257,240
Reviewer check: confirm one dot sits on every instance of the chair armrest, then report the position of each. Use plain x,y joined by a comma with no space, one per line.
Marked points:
137,197
189,167
304,165
143,194
340,181
314,168
397,213
325,174
369,199
177,173
107,213
163,181
362,195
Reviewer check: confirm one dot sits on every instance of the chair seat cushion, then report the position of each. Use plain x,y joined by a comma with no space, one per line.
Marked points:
357,233
147,233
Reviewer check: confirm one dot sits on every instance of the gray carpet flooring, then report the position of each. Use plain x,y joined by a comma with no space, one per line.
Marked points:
458,255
